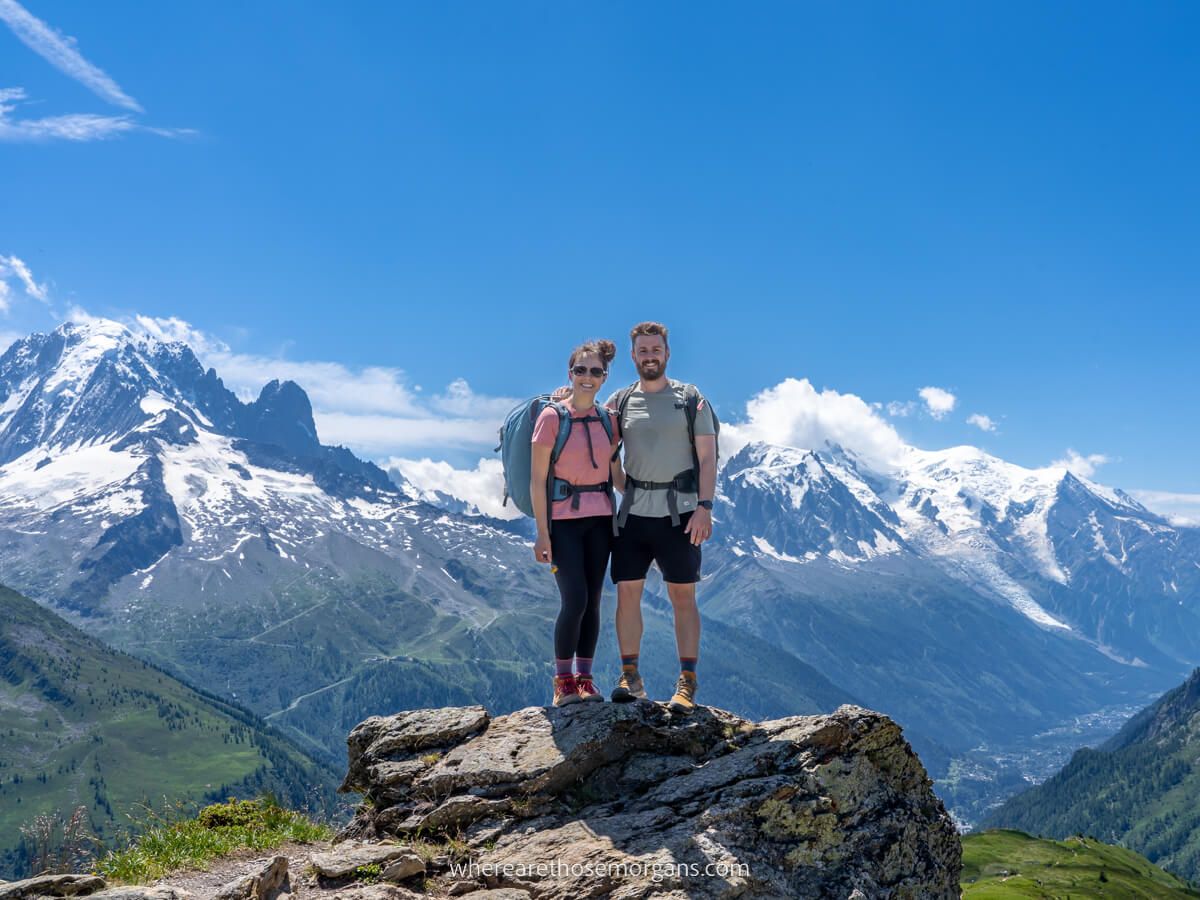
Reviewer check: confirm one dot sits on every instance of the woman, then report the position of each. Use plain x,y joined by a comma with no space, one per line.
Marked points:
574,534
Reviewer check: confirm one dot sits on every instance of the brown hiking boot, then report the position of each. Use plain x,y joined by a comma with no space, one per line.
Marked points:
684,699
587,688
629,687
565,690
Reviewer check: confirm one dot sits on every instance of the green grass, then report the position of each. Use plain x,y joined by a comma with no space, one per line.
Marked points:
216,831
84,725
999,865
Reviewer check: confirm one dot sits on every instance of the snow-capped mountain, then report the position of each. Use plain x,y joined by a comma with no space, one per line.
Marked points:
1065,552
976,601
223,541
131,447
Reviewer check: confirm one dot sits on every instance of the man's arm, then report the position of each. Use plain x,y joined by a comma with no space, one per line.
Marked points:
700,525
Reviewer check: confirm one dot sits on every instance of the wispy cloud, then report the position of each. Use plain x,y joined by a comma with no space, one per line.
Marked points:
61,51
982,422
939,402
13,268
1180,509
73,127
77,127
1078,464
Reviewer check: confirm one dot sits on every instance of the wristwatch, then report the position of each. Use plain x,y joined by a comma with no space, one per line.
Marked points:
707,504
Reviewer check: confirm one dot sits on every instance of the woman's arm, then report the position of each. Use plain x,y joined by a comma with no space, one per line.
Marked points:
539,472
618,474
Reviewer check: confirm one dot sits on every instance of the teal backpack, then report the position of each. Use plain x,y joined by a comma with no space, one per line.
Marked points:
516,453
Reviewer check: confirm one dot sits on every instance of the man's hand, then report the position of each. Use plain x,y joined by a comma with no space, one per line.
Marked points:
561,393
699,526
541,548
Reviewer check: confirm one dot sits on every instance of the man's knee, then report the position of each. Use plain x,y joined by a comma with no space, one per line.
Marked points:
682,595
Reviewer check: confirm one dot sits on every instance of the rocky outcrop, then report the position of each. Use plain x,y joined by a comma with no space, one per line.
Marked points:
625,801
66,885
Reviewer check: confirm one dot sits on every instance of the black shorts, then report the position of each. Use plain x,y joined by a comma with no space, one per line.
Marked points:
644,540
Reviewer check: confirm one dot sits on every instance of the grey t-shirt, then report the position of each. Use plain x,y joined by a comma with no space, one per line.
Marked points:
654,430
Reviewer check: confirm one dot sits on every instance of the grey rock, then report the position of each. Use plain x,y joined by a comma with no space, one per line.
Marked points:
626,801
497,894
384,750
265,884
344,859
403,867
68,885
135,892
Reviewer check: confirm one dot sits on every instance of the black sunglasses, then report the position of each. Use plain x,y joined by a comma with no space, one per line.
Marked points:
596,371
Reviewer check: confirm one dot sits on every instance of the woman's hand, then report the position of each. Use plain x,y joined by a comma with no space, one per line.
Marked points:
541,548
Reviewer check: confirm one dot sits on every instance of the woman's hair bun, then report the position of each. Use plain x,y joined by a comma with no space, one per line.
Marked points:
606,350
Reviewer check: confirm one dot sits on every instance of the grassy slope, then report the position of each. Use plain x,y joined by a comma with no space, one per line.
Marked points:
1142,788
998,865
83,724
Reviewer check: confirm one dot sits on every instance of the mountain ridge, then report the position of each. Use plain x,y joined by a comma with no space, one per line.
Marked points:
222,540
1140,788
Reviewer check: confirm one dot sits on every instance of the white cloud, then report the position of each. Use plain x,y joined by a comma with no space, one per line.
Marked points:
984,423
1179,509
76,127
13,268
483,486
795,414
376,435
61,52
173,329
460,400
900,410
373,410
938,401
1078,464
70,127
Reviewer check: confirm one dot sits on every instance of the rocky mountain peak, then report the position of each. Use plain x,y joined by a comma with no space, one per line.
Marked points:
711,805
282,415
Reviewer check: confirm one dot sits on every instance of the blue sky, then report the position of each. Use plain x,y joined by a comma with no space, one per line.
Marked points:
995,199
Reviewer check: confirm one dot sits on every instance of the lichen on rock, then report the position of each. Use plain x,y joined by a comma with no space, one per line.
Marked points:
627,800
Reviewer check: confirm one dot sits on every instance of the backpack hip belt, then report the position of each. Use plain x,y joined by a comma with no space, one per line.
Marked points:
685,481
561,489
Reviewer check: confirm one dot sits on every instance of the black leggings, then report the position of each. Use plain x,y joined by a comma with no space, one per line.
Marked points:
580,550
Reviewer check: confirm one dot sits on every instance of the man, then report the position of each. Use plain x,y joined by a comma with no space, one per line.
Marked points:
667,510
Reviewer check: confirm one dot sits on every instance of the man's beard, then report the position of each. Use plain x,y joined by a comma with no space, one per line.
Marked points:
656,371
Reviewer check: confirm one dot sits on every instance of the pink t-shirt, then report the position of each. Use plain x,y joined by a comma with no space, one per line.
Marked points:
575,464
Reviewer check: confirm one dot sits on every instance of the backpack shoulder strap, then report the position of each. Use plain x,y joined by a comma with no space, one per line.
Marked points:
623,401
605,415
691,406
564,429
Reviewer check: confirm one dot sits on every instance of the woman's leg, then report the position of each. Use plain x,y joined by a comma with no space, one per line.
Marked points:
567,548
597,543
